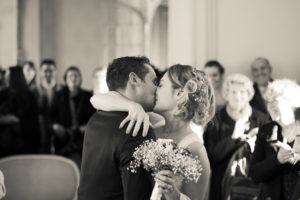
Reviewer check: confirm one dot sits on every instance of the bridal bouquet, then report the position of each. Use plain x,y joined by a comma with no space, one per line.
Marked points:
165,154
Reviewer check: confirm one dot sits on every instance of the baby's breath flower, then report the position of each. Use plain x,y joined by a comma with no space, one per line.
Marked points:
165,154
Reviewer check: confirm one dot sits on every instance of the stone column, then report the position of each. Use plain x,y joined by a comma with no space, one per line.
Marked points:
29,31
8,32
182,35
191,34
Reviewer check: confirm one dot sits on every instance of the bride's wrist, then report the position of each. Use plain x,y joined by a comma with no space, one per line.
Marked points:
131,105
175,195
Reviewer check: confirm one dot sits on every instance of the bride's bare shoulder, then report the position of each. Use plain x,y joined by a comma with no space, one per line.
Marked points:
193,143
197,148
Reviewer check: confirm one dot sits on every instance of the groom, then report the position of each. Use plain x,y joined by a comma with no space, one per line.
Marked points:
107,150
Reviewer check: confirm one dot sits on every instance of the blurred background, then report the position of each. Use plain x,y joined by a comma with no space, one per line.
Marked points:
62,48
90,33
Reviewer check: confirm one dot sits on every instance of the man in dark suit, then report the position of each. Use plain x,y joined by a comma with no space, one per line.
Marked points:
107,150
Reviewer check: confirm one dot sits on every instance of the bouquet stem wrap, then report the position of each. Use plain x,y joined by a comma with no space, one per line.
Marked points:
156,193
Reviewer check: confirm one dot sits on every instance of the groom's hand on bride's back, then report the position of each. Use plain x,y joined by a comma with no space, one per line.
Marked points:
136,117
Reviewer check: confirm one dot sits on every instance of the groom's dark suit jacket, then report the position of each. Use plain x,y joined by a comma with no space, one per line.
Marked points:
107,153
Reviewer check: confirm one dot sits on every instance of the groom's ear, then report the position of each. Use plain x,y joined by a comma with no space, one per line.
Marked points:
134,79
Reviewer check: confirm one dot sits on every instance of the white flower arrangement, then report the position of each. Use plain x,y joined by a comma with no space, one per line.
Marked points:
165,154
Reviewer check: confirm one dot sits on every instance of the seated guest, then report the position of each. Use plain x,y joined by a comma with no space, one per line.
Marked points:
261,72
71,112
19,128
275,161
215,71
2,186
47,90
231,128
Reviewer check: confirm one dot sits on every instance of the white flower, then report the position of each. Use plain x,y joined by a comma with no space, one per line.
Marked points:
165,154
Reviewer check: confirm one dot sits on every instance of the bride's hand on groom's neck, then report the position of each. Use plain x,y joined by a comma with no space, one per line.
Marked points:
114,101
136,117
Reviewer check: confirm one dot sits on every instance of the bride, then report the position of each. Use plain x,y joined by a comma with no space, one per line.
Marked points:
184,96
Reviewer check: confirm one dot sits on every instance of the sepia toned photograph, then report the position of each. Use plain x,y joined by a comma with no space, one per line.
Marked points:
149,100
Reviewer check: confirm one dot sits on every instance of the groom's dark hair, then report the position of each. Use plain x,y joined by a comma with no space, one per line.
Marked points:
119,69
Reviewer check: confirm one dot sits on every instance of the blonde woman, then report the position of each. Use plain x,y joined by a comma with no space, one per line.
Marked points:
184,95
275,161
234,125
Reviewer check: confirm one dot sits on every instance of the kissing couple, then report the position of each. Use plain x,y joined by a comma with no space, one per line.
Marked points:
183,96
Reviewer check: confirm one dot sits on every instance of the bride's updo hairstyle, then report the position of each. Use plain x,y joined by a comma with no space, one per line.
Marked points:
198,102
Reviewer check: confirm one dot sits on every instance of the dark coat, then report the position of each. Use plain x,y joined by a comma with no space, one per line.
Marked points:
23,137
258,102
220,146
45,120
61,114
265,167
107,153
